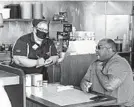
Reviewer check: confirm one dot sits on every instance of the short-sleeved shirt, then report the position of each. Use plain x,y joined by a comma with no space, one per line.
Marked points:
118,67
26,46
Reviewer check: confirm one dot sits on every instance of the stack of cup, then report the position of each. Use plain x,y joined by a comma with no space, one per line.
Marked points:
45,83
37,10
26,10
125,44
28,80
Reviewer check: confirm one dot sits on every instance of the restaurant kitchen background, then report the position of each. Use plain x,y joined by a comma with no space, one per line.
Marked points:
75,21
76,27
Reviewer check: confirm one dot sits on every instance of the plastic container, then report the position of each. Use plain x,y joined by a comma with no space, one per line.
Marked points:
15,10
37,80
37,10
6,13
26,10
118,44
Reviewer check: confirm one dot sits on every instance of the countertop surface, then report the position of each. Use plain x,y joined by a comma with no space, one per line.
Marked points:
9,78
55,95
5,56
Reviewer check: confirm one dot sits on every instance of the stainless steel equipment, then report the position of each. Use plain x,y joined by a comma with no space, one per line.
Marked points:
60,32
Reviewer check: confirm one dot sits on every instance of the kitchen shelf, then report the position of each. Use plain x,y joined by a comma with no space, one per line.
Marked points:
21,20
124,52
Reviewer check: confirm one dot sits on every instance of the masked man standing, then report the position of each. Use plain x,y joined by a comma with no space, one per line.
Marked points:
34,52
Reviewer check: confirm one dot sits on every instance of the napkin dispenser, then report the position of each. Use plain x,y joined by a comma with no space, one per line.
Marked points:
37,79
28,80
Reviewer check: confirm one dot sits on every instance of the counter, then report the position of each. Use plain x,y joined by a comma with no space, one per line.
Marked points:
13,80
50,97
9,78
5,56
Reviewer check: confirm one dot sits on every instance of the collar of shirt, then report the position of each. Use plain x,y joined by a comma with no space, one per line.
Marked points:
35,41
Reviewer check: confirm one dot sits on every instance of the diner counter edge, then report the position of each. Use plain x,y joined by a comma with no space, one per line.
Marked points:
8,78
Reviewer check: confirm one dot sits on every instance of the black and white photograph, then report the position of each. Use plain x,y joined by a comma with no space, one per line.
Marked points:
67,53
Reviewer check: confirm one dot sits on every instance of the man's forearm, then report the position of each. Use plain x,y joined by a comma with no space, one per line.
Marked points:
24,61
103,79
109,82
85,85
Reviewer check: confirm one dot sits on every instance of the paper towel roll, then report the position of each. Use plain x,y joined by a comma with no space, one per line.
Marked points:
37,10
26,9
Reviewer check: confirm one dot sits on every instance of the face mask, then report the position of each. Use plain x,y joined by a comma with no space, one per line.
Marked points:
41,35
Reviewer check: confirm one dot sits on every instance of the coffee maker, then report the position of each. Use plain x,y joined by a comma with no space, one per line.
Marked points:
60,32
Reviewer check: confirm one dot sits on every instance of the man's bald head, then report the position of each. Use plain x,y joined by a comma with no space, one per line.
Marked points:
108,43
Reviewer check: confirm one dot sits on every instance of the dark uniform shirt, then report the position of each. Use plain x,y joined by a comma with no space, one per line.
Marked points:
26,46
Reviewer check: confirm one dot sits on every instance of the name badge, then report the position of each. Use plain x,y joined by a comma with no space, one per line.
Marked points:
35,46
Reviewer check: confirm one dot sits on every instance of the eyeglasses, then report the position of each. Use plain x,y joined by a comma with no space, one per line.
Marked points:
101,47
42,29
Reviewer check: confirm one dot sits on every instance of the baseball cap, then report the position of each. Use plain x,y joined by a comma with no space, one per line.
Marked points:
36,21
41,25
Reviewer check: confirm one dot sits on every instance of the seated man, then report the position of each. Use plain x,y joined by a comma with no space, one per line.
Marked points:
34,52
4,100
111,75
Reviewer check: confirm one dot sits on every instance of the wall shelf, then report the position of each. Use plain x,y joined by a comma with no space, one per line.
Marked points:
10,20
126,52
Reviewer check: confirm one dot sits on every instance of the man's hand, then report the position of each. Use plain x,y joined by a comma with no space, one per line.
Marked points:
40,62
48,62
51,60
99,66
85,85
62,56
